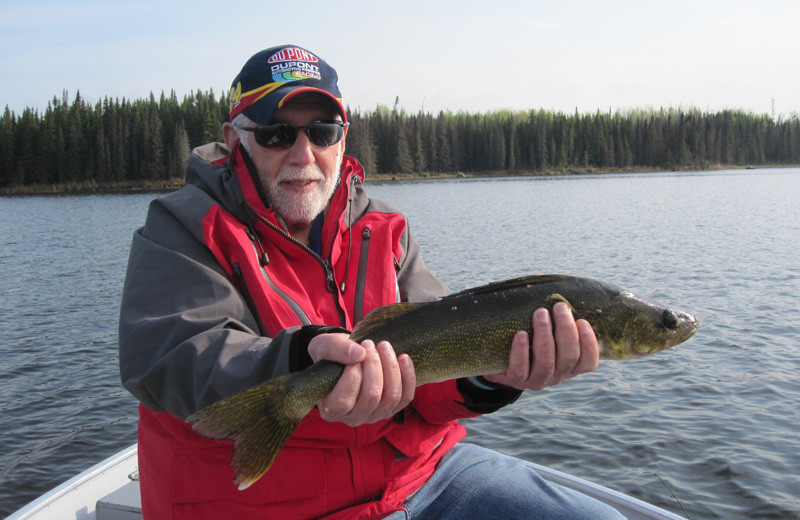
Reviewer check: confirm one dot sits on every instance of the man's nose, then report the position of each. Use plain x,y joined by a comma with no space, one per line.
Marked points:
301,152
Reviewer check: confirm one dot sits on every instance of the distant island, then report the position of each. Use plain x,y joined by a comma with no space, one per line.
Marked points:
126,145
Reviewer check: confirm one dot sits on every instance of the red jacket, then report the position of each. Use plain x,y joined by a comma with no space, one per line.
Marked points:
218,298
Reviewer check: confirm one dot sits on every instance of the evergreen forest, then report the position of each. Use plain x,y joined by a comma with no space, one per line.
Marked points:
77,145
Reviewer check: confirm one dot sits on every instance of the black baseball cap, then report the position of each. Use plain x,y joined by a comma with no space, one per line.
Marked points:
273,76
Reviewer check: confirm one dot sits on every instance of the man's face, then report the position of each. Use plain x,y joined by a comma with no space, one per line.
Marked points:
299,181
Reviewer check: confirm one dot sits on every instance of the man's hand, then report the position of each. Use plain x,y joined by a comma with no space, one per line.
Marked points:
557,353
375,384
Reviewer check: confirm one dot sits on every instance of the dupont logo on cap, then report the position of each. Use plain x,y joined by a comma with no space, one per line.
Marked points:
292,53
293,64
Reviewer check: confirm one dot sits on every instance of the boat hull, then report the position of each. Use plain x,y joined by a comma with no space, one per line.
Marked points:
109,490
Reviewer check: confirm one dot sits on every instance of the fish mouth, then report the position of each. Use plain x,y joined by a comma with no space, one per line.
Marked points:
689,324
686,328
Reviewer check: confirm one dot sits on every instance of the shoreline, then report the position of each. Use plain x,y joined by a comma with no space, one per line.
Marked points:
93,187
555,172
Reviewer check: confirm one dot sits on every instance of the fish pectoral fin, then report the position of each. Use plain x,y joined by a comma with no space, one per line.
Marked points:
555,298
377,317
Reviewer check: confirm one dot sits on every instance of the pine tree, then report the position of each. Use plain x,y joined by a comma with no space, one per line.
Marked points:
444,160
153,158
182,151
7,155
403,161
418,152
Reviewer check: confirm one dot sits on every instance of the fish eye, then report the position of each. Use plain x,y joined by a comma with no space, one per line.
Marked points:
669,319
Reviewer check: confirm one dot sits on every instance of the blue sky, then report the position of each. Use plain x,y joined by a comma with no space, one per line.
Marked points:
434,55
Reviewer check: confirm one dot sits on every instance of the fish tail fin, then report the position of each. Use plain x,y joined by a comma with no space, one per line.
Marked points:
259,421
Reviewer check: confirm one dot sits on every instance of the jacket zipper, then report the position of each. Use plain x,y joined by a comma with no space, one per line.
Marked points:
361,276
263,262
396,283
330,279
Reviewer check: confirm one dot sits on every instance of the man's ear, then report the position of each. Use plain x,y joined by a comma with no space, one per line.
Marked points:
230,135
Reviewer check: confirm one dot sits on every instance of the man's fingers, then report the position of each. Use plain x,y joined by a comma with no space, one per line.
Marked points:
409,381
544,350
561,348
342,398
336,347
567,339
374,389
519,361
371,391
590,350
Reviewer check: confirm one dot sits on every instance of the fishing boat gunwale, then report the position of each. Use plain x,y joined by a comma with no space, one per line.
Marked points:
86,493
79,495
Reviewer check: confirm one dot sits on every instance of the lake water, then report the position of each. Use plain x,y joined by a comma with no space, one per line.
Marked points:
711,426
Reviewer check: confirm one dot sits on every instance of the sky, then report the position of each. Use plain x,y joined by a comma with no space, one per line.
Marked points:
477,57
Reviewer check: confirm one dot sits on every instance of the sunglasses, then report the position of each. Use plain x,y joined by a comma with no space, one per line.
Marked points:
283,135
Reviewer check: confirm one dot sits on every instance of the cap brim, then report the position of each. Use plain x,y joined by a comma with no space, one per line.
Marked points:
262,111
304,90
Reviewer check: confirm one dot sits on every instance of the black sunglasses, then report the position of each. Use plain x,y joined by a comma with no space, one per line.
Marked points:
283,135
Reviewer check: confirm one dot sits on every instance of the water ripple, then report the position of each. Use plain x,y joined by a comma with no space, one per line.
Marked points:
713,422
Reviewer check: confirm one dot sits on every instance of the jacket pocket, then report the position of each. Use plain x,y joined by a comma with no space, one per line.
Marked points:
416,437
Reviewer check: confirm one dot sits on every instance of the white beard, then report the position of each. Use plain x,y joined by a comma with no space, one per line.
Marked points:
300,209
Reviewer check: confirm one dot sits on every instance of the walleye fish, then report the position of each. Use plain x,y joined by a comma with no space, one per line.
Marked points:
465,334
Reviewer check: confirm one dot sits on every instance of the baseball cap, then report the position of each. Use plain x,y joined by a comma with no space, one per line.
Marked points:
273,76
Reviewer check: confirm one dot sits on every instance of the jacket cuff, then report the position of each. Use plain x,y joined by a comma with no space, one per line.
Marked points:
298,345
483,396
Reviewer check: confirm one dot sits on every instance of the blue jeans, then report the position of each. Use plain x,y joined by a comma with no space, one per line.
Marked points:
473,483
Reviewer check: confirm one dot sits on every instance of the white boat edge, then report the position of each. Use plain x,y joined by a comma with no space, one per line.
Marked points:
79,495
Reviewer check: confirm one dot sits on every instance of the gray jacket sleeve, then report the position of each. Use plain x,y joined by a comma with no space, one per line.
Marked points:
415,281
186,335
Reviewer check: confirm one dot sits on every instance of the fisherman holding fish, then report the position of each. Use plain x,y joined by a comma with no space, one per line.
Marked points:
261,266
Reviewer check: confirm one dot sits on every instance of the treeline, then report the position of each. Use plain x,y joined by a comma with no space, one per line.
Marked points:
538,141
110,142
118,141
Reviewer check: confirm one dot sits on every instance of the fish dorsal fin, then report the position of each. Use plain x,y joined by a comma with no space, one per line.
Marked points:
378,316
514,282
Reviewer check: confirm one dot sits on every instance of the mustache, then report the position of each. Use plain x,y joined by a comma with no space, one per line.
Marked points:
308,173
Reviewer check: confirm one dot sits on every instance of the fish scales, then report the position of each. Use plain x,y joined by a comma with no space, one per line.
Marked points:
486,324
465,334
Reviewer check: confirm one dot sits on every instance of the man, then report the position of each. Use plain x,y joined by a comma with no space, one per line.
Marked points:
258,267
